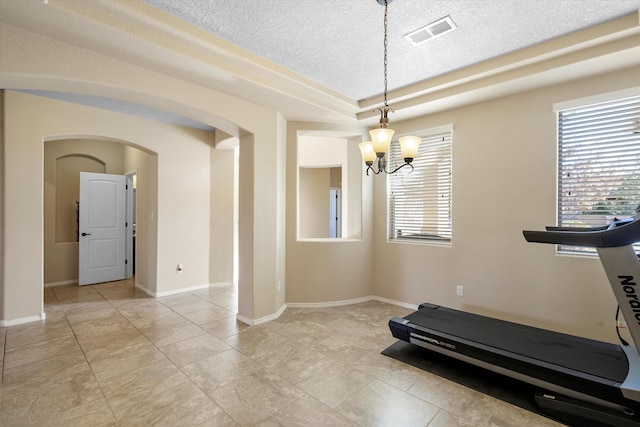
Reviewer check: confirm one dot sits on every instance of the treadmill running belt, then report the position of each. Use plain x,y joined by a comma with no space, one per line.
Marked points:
604,360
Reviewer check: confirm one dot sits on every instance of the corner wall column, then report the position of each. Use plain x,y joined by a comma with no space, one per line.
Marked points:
261,220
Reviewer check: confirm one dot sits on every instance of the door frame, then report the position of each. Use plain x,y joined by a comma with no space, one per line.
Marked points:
131,222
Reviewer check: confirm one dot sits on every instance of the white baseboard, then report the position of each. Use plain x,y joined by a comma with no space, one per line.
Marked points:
265,319
145,290
171,292
221,284
62,283
350,302
20,321
270,317
394,302
244,320
253,322
182,290
329,303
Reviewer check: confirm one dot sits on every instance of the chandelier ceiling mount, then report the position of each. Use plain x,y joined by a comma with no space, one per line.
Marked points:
375,150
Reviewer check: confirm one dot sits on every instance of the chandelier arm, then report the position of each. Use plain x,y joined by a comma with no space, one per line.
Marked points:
400,167
382,165
375,172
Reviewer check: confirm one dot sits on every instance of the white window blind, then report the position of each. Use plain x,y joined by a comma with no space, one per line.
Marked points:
419,203
598,164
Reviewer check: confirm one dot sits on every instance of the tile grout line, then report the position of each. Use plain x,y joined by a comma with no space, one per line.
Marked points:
287,380
151,342
89,364
178,367
169,359
231,347
204,392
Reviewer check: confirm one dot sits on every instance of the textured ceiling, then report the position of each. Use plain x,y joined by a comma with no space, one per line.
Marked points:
339,44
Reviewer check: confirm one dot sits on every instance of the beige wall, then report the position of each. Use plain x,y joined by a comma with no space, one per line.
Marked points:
146,225
261,232
336,177
183,215
246,219
2,290
313,196
281,212
263,164
145,167
314,200
504,181
223,217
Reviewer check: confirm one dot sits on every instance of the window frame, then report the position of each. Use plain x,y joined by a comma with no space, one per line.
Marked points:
585,129
440,218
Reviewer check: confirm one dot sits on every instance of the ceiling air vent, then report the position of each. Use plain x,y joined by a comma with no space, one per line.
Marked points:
435,29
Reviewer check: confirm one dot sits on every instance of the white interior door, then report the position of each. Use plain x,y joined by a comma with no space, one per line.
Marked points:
102,247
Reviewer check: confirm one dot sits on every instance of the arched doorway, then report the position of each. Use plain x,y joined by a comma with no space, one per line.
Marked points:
64,159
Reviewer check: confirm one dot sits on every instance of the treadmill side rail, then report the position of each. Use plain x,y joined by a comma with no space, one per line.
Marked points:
631,386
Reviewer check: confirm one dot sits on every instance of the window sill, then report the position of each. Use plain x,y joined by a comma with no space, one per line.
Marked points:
328,240
422,242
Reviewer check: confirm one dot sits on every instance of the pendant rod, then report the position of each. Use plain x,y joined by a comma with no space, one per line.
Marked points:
386,3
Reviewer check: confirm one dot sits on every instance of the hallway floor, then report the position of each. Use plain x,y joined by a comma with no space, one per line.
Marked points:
110,355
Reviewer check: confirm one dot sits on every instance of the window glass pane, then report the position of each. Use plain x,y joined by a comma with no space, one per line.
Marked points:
419,203
598,164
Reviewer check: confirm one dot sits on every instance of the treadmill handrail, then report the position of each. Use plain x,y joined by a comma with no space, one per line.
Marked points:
619,233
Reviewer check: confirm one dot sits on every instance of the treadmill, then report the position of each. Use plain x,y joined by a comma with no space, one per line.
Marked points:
584,382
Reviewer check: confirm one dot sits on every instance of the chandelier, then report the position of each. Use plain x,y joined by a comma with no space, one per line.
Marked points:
375,151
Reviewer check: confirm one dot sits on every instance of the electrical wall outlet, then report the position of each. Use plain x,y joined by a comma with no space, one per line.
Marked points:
460,290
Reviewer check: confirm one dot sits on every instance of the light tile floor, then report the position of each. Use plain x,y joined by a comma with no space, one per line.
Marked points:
110,355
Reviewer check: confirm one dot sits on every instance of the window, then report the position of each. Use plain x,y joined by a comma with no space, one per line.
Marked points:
419,203
598,164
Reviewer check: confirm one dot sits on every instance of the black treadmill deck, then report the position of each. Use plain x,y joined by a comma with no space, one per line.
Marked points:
567,362
597,358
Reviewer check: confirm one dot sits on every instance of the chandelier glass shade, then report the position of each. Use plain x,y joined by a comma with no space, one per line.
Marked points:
375,150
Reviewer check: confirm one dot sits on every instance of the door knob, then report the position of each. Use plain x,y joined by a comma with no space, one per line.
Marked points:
85,234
